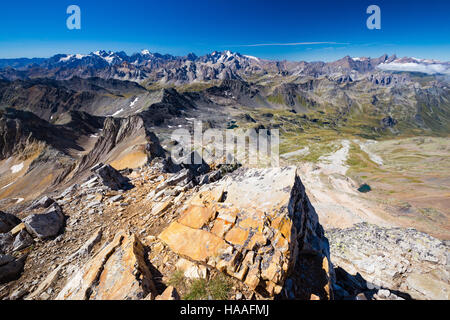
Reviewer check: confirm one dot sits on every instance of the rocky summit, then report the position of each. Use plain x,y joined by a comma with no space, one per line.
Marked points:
257,239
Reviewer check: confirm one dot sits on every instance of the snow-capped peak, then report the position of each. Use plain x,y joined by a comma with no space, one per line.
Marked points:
69,57
360,59
252,57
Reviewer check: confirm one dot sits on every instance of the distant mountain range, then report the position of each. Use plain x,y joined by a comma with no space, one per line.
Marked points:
154,67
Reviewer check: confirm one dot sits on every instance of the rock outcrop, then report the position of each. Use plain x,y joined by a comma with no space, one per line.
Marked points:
120,138
118,271
402,262
259,238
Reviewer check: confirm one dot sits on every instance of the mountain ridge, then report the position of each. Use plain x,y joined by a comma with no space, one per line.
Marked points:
147,66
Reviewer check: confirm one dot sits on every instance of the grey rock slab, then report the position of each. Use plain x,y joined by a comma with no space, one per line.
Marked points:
12,271
6,242
5,258
44,202
45,225
23,240
7,222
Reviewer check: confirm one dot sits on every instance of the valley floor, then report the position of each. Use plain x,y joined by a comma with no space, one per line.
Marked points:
409,180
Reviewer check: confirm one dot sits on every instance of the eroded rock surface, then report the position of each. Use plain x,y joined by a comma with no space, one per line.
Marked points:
405,261
118,272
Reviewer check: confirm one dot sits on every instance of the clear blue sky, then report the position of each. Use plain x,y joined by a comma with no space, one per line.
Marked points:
409,28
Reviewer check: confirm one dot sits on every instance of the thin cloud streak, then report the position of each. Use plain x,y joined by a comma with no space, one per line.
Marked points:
289,44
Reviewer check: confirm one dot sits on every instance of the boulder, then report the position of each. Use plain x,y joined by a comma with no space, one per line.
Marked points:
7,222
191,270
388,122
12,269
5,258
46,225
153,147
42,203
70,190
195,164
22,241
14,231
181,178
210,177
6,242
111,178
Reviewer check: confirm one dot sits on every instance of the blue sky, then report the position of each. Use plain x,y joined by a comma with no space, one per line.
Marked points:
409,28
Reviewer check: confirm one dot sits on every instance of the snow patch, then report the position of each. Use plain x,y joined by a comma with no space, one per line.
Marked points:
117,113
134,102
70,56
17,168
252,57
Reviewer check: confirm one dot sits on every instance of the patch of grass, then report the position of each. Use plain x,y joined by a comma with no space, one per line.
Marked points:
318,150
217,288
177,279
276,99
198,290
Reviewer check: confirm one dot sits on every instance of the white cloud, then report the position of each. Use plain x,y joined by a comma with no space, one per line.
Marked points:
287,44
416,67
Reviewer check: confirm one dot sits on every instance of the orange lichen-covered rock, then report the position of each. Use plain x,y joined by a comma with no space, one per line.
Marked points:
197,216
237,236
193,243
